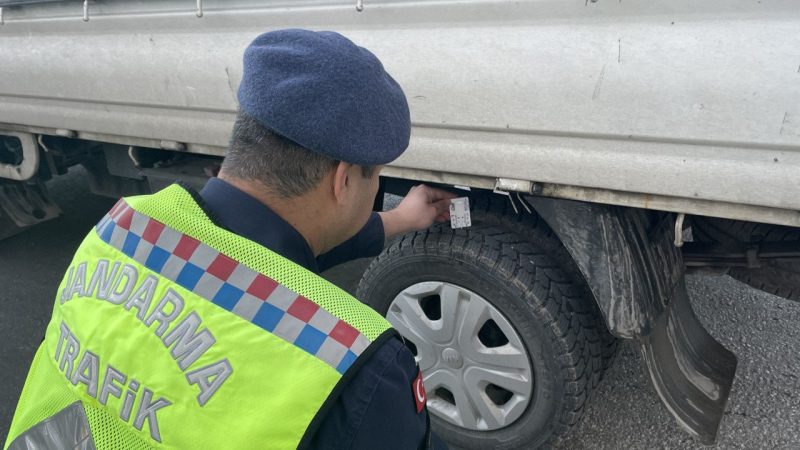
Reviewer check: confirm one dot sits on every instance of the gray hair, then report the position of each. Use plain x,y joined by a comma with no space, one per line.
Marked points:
256,153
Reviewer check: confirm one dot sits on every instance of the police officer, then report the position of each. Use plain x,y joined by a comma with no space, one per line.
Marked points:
199,320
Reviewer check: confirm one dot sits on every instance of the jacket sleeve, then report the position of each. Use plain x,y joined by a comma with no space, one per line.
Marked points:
368,242
377,408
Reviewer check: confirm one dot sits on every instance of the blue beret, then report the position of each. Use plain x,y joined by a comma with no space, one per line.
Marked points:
327,94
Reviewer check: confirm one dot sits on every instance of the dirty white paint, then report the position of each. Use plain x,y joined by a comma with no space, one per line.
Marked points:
684,99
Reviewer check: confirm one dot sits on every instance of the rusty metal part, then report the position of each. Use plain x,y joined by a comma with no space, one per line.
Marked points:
694,206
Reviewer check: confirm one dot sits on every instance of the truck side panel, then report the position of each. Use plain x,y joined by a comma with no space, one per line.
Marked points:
682,99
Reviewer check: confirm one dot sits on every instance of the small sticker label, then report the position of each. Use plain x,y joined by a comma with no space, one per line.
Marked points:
459,213
418,389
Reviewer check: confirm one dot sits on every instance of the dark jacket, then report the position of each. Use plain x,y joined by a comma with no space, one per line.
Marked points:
376,409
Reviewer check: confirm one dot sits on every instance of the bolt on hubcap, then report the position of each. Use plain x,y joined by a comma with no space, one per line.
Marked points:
452,358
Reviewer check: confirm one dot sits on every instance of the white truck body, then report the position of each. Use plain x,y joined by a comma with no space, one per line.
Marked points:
679,106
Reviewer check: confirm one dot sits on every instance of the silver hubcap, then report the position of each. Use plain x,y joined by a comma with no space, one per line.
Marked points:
476,370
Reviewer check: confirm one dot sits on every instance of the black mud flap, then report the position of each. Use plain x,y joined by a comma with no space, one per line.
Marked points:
636,275
23,205
689,369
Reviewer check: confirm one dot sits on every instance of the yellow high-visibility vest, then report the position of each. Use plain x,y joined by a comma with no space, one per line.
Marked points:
169,331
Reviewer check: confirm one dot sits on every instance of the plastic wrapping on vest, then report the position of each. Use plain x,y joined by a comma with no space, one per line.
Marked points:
68,429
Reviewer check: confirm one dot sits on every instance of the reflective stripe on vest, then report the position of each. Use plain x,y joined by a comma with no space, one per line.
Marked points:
233,286
142,336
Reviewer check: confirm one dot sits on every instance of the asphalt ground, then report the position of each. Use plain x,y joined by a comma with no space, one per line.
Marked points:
624,413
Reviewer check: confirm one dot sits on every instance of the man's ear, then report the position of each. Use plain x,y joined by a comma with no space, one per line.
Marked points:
341,182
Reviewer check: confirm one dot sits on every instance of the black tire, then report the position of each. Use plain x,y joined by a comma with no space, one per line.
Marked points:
526,284
498,211
778,278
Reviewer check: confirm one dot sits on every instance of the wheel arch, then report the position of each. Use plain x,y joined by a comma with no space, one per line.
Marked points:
501,207
636,275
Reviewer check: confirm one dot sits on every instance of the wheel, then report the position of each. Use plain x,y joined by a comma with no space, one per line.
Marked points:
781,278
777,278
498,211
508,349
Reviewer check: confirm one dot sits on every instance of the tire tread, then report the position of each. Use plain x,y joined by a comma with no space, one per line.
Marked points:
777,278
536,264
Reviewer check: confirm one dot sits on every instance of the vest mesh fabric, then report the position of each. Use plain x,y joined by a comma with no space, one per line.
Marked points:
194,222
50,394
109,433
47,391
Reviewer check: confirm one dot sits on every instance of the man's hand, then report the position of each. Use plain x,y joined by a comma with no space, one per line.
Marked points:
419,209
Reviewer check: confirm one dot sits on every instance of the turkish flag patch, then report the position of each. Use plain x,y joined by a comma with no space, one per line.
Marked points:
418,389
